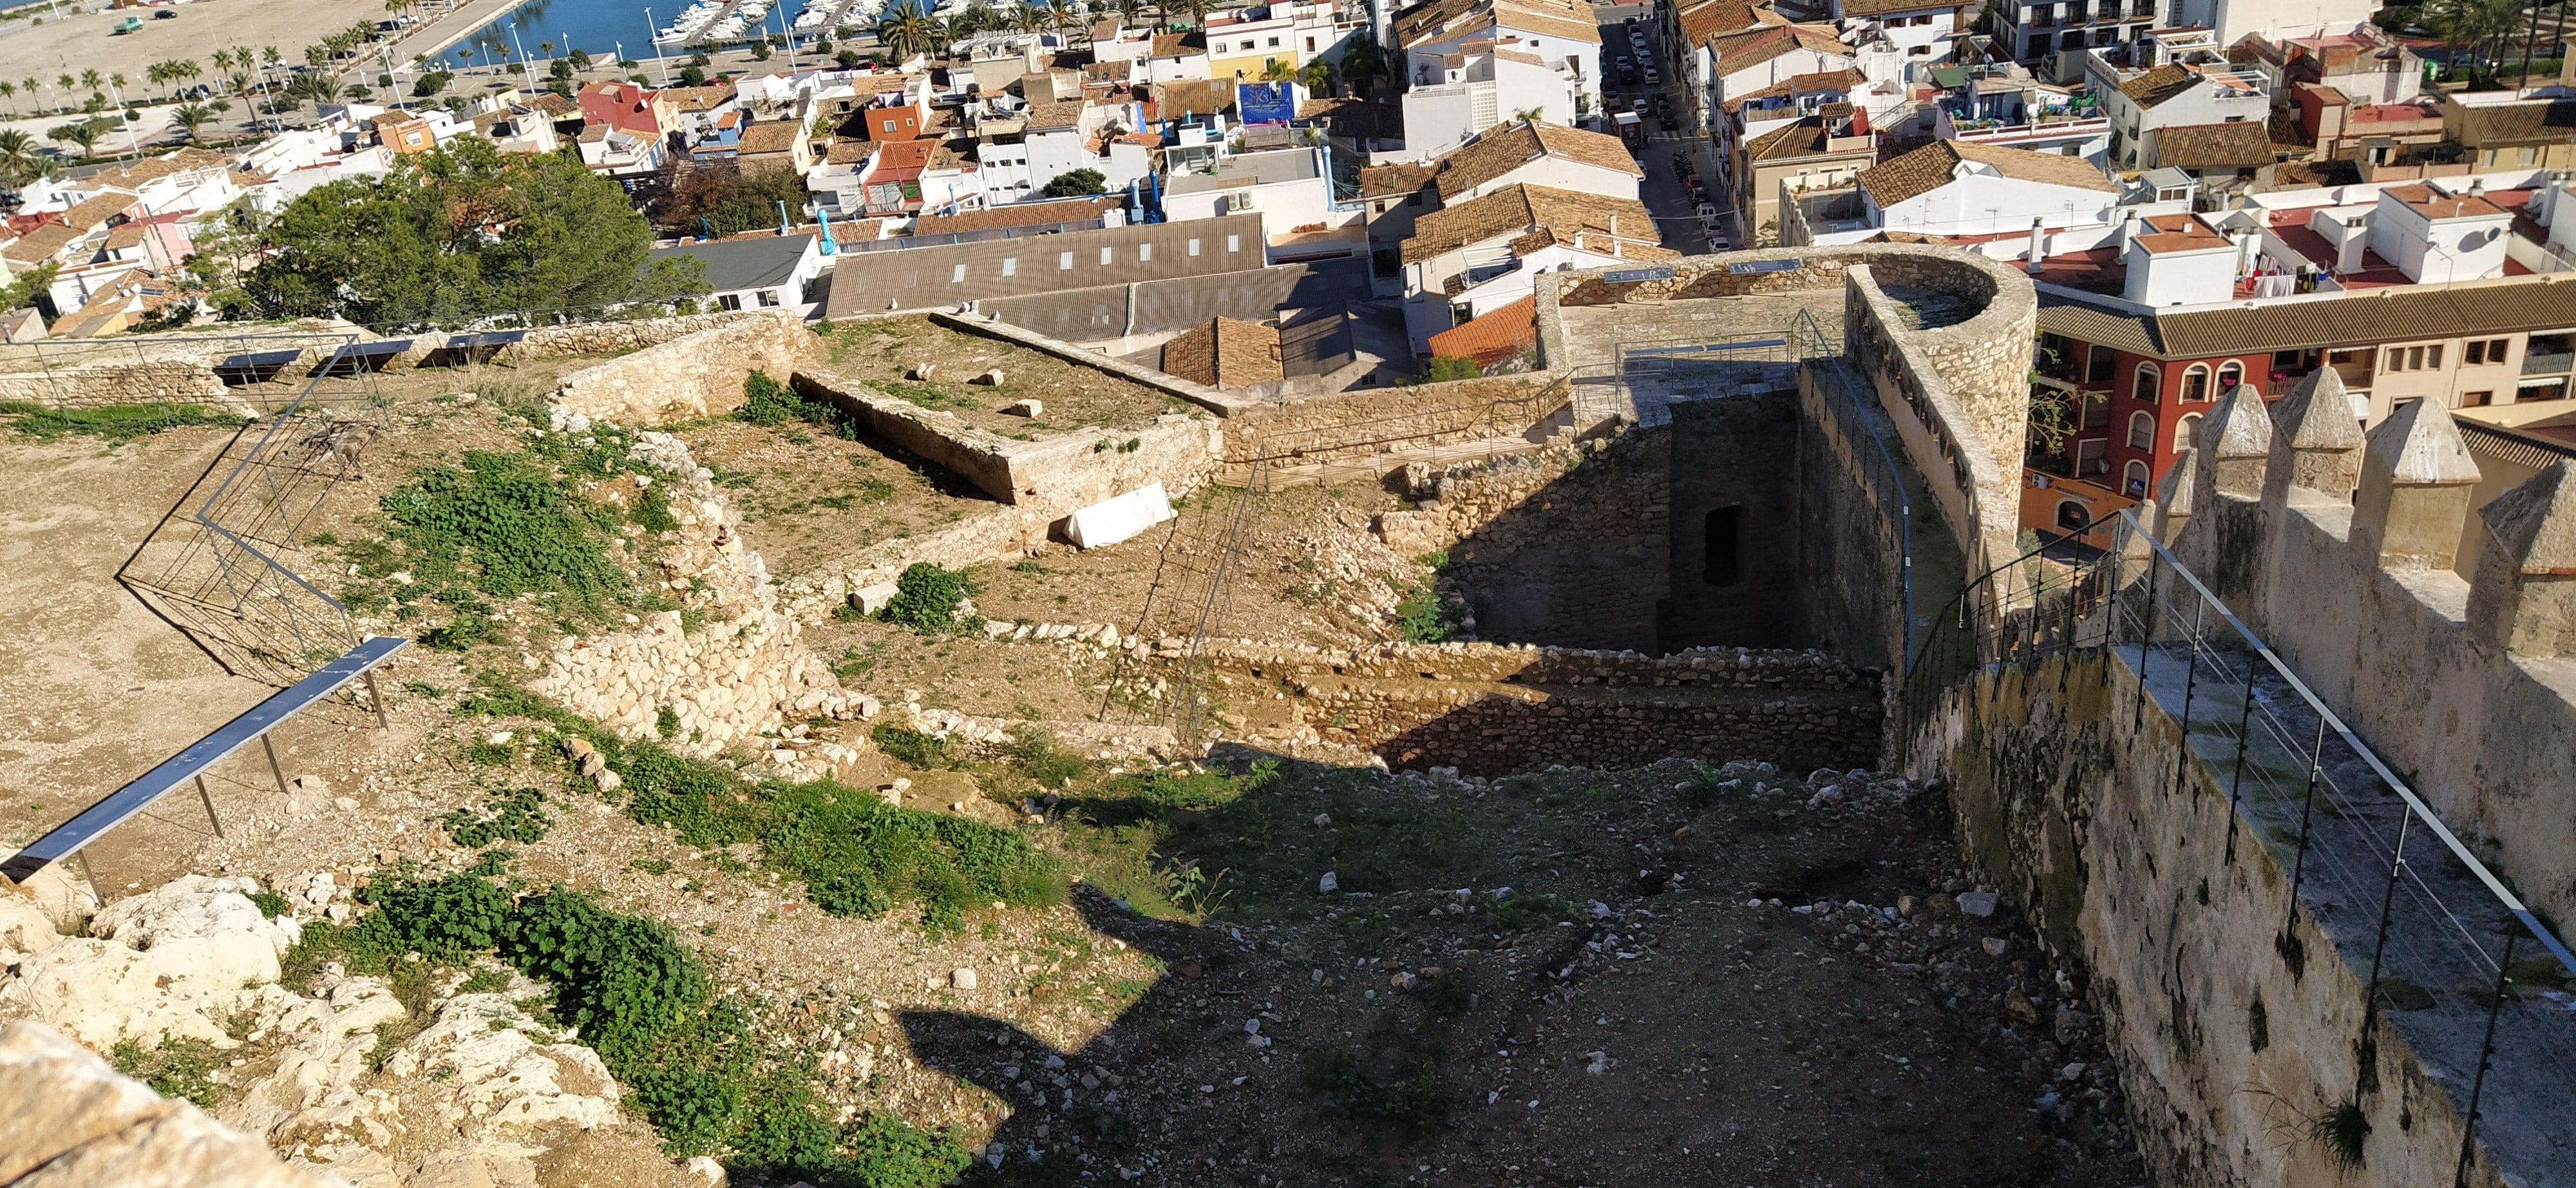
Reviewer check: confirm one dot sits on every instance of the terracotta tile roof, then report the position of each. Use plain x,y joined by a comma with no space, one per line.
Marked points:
2157,85
40,245
88,215
1017,214
770,136
1753,47
1493,336
1193,96
1518,209
1444,19
1820,82
1934,165
1804,138
2300,175
696,99
1708,19
129,235
880,84
2243,145
1395,180
1225,353
849,152
901,160
1175,45
1056,113
2396,314
1498,151
2537,122
553,105
2176,233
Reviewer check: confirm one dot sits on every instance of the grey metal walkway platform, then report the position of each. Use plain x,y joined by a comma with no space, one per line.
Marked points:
190,764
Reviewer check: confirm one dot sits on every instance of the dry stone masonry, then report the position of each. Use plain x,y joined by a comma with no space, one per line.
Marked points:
698,374
1491,709
738,675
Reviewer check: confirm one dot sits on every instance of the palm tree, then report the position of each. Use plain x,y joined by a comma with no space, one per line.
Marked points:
190,117
1277,70
906,31
90,79
85,133
1317,78
1029,18
9,91
321,89
223,58
1363,63
271,56
19,162
189,70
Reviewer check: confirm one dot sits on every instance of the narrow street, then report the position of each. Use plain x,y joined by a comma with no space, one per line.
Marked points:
1677,219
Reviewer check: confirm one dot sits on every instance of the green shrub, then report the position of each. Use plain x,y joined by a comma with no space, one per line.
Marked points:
623,980
270,904
512,814
765,401
1528,909
886,1153
927,596
1035,753
442,920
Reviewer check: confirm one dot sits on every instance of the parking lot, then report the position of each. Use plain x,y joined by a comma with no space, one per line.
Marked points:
1641,81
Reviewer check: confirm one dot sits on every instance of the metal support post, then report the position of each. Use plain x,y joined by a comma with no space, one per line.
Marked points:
208,799
2146,644
2486,1057
2190,685
273,766
2244,735
2307,811
83,858
2369,1048
376,698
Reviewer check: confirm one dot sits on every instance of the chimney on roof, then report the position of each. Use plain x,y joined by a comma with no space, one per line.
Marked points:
2120,235
2038,244
2356,240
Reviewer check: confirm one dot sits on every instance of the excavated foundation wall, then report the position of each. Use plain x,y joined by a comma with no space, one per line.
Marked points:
1491,709
2122,860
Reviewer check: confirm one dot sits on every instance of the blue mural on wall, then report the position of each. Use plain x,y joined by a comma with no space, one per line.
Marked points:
1266,102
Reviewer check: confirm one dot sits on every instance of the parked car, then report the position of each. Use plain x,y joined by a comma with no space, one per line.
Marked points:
166,14
1625,63
1707,214
1668,123
1654,77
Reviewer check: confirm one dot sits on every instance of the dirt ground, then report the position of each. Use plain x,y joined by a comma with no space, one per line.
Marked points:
884,353
1572,977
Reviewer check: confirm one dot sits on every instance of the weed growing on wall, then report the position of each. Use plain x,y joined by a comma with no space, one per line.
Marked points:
769,403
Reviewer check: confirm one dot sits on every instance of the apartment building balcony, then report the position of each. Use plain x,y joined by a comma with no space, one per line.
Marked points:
1950,125
2549,354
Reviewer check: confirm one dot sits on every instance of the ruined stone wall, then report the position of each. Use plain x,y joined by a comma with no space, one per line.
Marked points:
728,669
1851,571
1492,709
1568,548
1061,471
698,374
1365,421
147,382
2168,913
620,337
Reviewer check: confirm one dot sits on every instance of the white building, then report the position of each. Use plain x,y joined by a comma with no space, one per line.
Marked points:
1475,256
761,271
1479,87
1922,32
1288,187
1955,189
1561,35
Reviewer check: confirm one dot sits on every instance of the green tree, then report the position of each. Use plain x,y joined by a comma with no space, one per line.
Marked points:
727,202
318,88
190,117
431,83
19,161
84,133
1318,78
1364,63
1450,367
1277,70
9,91
460,232
1075,184
27,286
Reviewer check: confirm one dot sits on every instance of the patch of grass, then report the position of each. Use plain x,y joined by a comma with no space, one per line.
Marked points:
490,754
484,980
1523,910
121,422
772,404
270,904
1351,1086
1036,754
182,1067
512,814
2341,1128
912,748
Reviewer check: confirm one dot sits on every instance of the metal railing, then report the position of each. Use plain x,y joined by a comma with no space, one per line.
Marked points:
2372,867
1884,481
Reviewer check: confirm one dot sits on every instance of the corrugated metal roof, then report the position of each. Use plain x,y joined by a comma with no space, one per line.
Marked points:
913,278
1160,307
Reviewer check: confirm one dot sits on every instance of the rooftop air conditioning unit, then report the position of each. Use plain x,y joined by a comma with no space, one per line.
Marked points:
1239,202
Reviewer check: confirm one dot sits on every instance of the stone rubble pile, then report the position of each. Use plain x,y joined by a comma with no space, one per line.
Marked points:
731,678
